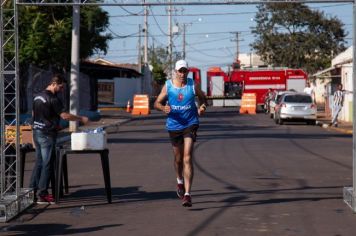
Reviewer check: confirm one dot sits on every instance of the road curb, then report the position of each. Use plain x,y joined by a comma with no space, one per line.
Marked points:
338,129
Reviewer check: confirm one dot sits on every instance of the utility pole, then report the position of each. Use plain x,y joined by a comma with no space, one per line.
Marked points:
145,56
170,40
184,28
184,35
139,64
350,192
74,72
237,44
146,37
251,58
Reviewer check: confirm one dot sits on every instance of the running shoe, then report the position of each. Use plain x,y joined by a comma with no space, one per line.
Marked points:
180,190
187,201
46,199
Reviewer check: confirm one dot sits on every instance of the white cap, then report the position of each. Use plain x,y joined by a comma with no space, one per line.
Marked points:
181,64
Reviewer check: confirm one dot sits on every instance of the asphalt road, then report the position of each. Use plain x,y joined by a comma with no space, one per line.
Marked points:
252,177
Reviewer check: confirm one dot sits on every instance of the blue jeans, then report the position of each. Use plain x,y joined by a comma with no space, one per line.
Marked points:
43,169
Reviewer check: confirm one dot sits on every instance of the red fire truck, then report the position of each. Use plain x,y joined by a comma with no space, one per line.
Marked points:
216,79
194,73
257,81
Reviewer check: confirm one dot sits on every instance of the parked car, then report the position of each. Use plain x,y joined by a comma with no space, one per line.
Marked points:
273,101
295,107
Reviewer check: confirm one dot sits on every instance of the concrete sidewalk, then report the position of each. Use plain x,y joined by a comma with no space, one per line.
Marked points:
323,120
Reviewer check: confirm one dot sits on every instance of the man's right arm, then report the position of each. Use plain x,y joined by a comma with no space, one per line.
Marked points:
71,117
159,101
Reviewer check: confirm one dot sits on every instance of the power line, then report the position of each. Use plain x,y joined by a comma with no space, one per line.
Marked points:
139,3
197,14
122,36
160,29
205,54
223,13
132,14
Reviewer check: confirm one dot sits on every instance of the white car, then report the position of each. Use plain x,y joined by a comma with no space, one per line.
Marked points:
295,107
273,102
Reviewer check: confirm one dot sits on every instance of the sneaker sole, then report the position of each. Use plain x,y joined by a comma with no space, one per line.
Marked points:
45,203
187,204
42,203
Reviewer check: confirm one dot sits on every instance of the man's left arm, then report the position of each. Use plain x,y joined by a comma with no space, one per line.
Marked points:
201,99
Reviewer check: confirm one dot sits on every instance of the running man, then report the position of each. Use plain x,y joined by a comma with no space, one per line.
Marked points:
177,100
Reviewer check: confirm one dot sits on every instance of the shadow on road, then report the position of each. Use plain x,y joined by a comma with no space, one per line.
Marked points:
51,229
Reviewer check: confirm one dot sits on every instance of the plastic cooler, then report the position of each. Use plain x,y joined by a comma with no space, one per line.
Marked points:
88,141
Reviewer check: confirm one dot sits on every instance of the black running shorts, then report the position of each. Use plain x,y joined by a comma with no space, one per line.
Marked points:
177,136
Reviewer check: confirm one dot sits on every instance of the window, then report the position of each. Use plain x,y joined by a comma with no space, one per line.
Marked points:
298,99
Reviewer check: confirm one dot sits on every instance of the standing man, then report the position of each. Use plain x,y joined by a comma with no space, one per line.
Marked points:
309,90
338,102
177,100
47,111
268,97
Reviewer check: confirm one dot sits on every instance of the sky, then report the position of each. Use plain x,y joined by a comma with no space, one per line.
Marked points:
210,31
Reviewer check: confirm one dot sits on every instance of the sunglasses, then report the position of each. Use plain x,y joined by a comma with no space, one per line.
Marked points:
183,70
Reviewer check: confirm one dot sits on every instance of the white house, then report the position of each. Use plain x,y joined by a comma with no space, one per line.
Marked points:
326,81
344,62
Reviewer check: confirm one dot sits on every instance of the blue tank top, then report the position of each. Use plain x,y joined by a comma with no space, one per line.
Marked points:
184,112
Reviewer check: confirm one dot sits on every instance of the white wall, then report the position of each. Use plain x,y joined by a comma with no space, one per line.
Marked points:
346,80
125,89
320,89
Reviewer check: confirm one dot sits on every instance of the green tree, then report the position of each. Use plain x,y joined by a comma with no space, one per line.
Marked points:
292,35
45,34
158,58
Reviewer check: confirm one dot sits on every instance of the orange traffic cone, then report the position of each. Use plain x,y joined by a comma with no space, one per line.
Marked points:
128,106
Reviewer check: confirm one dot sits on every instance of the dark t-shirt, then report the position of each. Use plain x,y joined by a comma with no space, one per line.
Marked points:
46,110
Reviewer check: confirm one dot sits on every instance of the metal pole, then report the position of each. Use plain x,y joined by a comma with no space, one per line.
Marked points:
2,106
75,69
237,46
184,28
146,38
350,192
251,59
170,40
17,95
139,62
354,110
